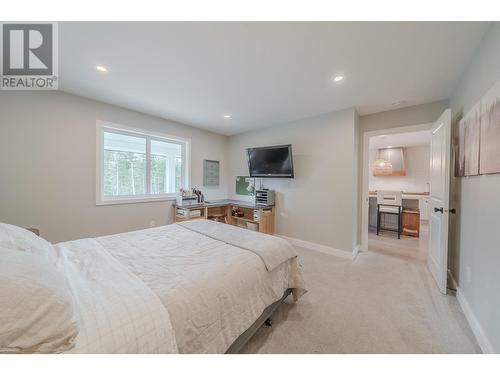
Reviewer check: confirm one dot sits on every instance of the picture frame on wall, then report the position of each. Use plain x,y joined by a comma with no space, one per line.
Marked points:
211,173
468,142
459,149
477,144
489,155
458,166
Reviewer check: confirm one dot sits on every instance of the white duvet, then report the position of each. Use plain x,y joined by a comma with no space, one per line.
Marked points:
201,292
117,312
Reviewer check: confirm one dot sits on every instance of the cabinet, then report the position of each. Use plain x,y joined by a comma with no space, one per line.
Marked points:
411,222
423,206
262,219
259,218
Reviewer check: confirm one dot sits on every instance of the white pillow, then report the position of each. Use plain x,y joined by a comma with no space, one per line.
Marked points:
17,238
37,313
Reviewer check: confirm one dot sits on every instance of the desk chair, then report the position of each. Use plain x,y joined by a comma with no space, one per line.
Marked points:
389,203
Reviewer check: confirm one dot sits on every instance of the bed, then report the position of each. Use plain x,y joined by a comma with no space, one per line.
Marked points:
192,287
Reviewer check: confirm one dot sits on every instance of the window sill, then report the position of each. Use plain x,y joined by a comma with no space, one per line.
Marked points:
130,200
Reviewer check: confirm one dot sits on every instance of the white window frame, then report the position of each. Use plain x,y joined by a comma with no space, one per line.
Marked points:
105,126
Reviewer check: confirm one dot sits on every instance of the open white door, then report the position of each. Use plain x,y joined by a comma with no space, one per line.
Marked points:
439,201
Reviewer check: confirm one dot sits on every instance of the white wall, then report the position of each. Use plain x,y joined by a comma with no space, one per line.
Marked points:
48,165
476,244
417,159
319,204
414,115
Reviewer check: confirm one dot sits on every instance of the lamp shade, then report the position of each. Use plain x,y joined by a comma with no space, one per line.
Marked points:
382,167
390,162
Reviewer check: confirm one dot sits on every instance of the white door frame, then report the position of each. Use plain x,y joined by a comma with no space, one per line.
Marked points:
366,171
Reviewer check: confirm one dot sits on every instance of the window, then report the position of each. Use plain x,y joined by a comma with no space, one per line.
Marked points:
135,166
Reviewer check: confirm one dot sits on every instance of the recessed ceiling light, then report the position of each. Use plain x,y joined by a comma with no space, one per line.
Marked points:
338,78
227,116
101,68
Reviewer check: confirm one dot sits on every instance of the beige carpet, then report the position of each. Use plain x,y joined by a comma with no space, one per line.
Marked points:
376,304
408,248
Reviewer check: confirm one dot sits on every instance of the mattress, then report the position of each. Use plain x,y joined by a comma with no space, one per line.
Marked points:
211,289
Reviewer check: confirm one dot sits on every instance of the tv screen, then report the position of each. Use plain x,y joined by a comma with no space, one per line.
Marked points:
272,161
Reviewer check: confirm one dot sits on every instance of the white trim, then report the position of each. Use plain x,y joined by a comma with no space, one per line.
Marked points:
98,164
321,248
101,126
135,199
453,283
356,251
478,331
139,131
365,177
148,166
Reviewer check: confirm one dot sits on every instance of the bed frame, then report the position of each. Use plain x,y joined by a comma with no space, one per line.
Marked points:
265,318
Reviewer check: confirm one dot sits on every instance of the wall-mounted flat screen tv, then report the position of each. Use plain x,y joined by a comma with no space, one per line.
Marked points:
271,161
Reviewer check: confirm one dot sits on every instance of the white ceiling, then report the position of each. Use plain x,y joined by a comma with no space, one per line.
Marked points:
409,139
263,73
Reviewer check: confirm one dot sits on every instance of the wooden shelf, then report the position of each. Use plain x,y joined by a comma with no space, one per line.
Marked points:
265,223
179,218
245,219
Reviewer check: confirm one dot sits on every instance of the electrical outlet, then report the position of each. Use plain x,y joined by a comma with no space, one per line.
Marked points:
468,274
152,223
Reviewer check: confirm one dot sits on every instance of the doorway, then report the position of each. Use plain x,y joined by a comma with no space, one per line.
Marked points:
399,164
438,204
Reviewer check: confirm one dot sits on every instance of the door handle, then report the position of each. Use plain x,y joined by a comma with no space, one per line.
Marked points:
452,211
438,209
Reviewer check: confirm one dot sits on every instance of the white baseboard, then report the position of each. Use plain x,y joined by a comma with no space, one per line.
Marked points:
322,248
478,331
453,283
355,252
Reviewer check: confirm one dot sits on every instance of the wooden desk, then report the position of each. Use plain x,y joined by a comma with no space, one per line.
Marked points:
414,202
406,195
261,217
